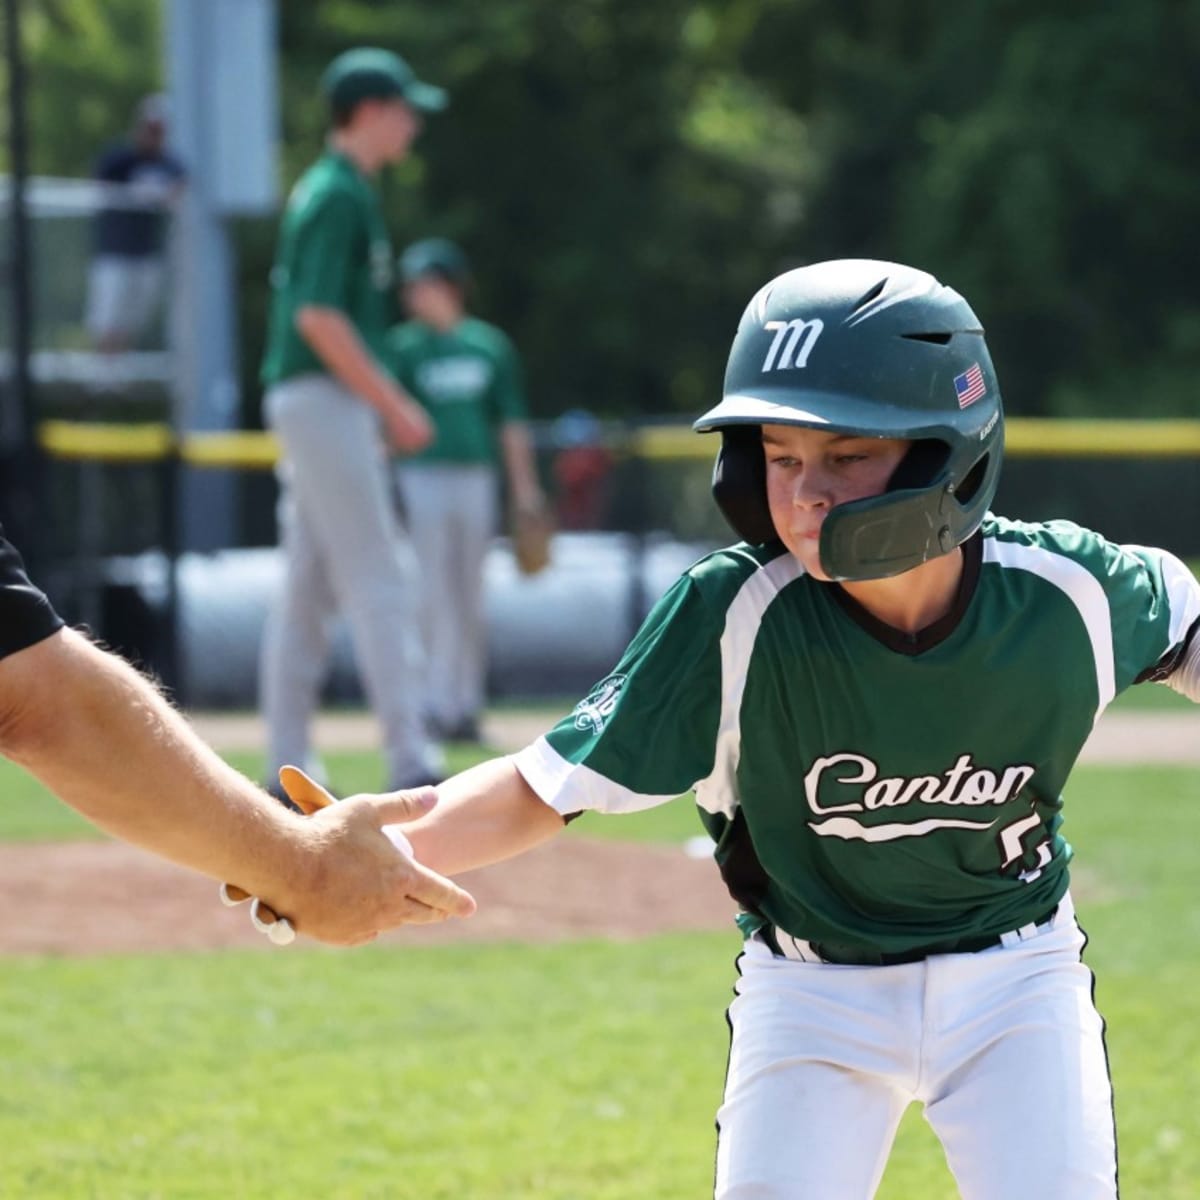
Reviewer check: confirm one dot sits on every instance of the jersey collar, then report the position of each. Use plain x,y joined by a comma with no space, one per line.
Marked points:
931,635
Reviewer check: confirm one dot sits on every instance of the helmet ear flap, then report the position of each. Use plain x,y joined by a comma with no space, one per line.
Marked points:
739,484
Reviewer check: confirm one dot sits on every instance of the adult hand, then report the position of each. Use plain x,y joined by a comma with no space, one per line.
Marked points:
359,883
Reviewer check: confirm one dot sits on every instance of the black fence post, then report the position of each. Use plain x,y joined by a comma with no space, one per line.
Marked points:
170,664
20,477
639,495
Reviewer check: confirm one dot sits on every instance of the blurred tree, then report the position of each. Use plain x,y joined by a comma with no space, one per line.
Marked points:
90,61
625,176
1043,160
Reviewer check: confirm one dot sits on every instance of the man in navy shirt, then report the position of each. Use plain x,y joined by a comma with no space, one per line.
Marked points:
103,739
128,267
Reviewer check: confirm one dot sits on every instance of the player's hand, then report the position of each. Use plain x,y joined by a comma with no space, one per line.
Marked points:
531,504
361,884
407,426
532,534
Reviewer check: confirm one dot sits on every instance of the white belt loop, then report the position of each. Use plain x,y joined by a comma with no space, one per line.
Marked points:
1064,911
796,949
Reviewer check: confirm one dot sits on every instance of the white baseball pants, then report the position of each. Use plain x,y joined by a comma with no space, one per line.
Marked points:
1003,1048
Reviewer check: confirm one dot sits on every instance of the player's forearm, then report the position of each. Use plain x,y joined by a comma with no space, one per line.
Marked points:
335,341
516,445
484,815
100,736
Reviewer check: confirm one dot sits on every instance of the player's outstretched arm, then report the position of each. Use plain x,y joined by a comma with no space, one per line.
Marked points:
483,815
102,738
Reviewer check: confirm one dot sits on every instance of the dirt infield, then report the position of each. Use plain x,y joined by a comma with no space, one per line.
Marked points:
104,897
107,898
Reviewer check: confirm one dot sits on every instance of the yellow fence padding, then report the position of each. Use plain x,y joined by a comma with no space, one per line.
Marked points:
1026,437
106,443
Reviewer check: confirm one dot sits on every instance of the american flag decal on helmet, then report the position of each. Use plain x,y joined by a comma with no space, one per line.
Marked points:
969,386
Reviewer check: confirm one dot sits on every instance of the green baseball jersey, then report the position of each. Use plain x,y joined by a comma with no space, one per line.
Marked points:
333,252
469,380
864,787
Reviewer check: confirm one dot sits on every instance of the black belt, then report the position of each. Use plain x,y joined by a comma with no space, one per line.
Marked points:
845,955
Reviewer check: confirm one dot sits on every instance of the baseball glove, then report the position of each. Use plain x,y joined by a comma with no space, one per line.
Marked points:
532,531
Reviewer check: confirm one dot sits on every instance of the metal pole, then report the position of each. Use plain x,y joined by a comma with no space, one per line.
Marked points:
20,483
205,341
167,643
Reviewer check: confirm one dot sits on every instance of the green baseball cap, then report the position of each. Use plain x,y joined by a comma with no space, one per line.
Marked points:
434,256
369,73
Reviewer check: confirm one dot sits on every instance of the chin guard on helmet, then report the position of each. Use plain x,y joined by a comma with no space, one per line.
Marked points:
902,528
920,516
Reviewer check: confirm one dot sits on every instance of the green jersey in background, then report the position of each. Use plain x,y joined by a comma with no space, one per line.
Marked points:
333,252
468,378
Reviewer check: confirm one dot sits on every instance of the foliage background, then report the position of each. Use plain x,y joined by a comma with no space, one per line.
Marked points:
624,176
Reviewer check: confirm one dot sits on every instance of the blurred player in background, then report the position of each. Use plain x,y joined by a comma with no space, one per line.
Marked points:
335,407
467,375
876,697
128,267
103,739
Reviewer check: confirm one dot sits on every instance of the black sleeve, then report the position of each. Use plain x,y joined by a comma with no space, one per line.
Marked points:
25,614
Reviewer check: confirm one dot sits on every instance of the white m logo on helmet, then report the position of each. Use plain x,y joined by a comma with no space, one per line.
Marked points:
790,337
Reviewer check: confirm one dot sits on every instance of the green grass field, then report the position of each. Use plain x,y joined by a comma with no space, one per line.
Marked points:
589,1070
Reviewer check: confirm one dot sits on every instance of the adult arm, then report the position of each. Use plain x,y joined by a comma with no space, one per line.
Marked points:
102,738
336,342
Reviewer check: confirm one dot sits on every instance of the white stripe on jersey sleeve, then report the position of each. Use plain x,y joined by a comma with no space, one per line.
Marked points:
718,793
1084,591
569,787
1183,590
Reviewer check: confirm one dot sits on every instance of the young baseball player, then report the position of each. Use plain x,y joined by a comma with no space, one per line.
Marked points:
331,401
467,375
876,697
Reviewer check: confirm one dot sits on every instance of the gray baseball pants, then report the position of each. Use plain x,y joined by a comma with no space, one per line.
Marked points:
344,550
451,510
